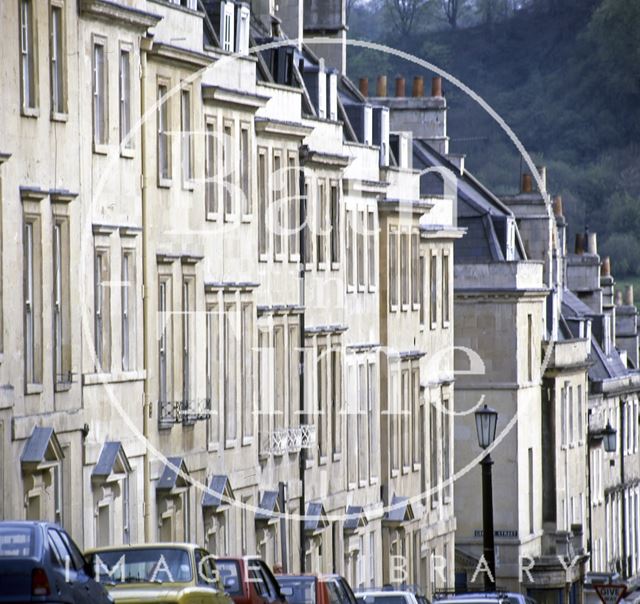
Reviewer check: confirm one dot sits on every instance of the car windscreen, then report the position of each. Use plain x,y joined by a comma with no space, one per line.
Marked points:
17,541
148,565
298,590
229,572
381,599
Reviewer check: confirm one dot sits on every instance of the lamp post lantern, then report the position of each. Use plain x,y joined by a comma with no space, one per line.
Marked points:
609,438
486,421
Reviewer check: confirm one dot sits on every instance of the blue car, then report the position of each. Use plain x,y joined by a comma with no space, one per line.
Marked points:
39,562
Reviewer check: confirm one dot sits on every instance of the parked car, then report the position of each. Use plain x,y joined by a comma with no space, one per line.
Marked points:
248,580
40,562
498,597
179,573
313,589
386,596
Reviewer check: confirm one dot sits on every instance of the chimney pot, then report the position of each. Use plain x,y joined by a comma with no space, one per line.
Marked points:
436,86
401,89
592,243
364,87
628,295
618,298
542,171
418,86
606,267
557,206
580,243
526,183
381,88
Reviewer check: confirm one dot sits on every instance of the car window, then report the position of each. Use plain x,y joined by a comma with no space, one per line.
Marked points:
345,588
382,599
135,565
229,572
257,580
59,549
269,579
17,541
336,595
303,589
204,569
76,556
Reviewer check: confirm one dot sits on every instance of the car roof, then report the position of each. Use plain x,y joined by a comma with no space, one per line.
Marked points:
384,592
161,545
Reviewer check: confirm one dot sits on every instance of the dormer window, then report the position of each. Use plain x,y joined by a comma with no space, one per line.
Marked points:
226,26
190,4
242,30
332,105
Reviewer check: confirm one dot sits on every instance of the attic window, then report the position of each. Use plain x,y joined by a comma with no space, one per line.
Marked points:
242,31
190,4
226,26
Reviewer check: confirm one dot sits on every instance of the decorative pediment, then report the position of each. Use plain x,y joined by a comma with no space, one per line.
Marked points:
42,450
399,512
112,464
316,518
219,493
355,519
269,508
174,477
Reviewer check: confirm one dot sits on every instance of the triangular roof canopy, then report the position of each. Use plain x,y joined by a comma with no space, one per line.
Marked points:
219,494
42,450
316,518
172,481
112,464
355,518
399,512
268,507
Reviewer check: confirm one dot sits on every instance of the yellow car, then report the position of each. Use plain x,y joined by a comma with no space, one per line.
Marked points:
167,573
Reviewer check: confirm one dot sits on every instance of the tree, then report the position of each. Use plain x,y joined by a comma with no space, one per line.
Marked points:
404,13
452,10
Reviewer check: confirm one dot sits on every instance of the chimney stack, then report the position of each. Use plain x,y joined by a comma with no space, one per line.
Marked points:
436,86
381,88
606,267
418,86
557,206
526,183
364,87
580,243
628,295
592,243
401,89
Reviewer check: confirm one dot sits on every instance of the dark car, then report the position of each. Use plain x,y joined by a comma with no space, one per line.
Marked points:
312,589
248,580
39,562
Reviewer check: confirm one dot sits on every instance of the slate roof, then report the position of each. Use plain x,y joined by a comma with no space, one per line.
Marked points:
107,459
355,518
219,492
169,478
268,506
606,367
316,517
41,446
399,511
478,210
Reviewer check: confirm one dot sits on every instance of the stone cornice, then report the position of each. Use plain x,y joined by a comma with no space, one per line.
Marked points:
233,98
106,10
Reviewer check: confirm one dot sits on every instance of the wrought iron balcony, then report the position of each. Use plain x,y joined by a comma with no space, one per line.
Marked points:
183,412
289,440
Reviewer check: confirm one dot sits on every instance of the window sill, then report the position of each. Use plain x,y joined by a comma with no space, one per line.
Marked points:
350,289
212,216
165,426
373,480
91,379
230,444
62,387
445,324
33,389
229,217
322,266
434,503
417,467
351,486
263,258
335,266
280,257
59,117
127,152
373,289
164,183
405,469
337,456
247,218
361,288
405,307
213,447
30,111
362,484
247,440
322,461
395,473
308,464
294,258
100,148
188,185
415,307
308,266
434,325
393,308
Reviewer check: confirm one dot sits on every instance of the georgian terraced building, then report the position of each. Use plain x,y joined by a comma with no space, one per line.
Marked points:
223,287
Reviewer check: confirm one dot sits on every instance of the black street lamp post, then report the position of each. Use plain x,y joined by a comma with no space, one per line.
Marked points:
486,421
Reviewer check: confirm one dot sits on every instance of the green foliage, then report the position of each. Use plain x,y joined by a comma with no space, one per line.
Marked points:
565,75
